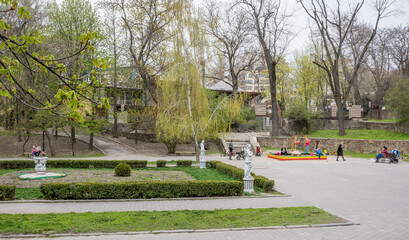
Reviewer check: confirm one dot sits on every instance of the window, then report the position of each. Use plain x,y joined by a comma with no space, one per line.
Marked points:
249,87
250,75
249,81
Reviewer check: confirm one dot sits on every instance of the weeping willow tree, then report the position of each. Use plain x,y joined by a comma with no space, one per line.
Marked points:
183,108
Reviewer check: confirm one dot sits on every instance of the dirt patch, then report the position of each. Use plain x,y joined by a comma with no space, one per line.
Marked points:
102,176
10,147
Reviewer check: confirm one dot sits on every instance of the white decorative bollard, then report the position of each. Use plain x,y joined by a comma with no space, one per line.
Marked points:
202,156
40,163
248,179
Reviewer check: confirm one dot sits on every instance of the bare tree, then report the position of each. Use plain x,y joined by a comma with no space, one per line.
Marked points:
148,24
333,28
271,27
232,37
114,37
399,42
380,65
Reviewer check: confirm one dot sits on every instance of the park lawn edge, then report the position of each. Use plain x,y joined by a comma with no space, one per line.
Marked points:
109,222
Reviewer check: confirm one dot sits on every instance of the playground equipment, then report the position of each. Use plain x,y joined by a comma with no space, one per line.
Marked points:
297,140
302,157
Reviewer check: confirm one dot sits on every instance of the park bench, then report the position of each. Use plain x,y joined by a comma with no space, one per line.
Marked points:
390,158
185,153
28,154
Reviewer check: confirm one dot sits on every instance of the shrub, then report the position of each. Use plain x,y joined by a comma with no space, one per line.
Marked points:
21,164
123,170
161,163
268,185
238,173
184,163
7,192
141,189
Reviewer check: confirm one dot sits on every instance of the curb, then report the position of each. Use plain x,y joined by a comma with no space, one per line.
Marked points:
184,231
139,200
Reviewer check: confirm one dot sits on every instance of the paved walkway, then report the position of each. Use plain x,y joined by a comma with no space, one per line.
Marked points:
374,195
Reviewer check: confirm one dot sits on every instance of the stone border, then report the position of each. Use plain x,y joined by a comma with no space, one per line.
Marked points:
139,200
184,231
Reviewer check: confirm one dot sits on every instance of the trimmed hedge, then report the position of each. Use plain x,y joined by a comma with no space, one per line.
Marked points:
21,164
238,173
184,163
7,192
161,163
141,189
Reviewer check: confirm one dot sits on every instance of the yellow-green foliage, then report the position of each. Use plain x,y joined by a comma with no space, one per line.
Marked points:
183,110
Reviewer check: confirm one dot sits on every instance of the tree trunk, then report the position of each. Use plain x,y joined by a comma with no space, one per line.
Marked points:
91,142
136,135
273,93
26,140
357,95
72,148
341,122
50,143
73,139
171,147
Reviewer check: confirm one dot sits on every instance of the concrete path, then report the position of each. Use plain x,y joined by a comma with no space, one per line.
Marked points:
374,195
148,205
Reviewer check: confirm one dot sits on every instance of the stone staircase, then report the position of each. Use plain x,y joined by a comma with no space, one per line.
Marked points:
240,140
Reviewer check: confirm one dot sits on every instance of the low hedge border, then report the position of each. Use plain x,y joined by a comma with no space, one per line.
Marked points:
183,163
21,164
238,174
161,163
141,189
7,192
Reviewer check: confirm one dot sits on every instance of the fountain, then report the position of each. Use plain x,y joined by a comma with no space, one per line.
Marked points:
40,163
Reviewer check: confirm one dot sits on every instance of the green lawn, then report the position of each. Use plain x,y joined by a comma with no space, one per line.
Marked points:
374,134
162,220
195,172
384,120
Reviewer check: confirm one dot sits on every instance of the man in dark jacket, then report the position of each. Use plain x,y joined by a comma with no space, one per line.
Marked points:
340,152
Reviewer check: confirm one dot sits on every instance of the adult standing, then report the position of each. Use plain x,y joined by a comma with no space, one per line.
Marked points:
307,144
340,152
230,149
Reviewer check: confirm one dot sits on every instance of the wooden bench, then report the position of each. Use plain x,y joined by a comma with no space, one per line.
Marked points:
390,158
27,153
185,153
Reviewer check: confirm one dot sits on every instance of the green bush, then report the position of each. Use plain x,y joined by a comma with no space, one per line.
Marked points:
141,189
161,163
268,185
238,173
7,192
123,170
21,164
184,163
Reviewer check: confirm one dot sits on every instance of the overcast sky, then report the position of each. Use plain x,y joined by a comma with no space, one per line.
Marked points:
301,26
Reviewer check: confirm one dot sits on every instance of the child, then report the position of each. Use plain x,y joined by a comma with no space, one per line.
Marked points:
258,151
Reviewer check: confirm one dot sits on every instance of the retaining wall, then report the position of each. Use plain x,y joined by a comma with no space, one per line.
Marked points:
354,145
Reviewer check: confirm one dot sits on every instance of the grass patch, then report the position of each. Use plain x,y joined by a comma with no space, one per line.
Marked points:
209,152
197,173
384,120
28,193
265,148
162,220
373,134
5,171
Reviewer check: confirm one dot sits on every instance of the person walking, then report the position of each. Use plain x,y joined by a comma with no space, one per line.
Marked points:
230,149
340,152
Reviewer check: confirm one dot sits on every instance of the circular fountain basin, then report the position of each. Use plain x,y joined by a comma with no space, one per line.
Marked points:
33,176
